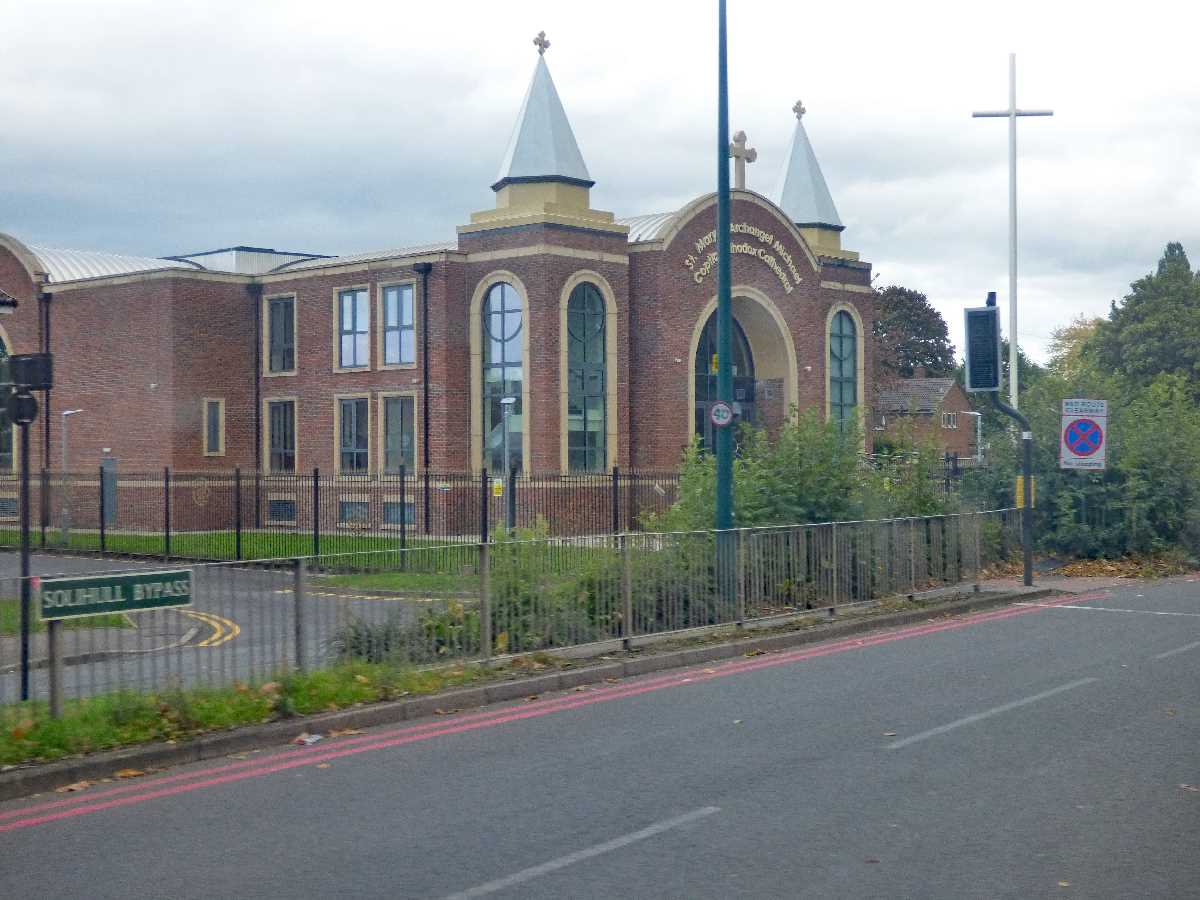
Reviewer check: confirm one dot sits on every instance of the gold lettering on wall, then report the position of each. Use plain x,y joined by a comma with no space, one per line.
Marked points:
701,263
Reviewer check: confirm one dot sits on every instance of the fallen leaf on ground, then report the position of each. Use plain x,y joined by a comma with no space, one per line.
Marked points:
737,721
238,756
1171,711
613,680
342,732
271,687
710,671
72,788
305,738
1064,884
444,712
580,689
754,653
871,859
362,679
1194,788
531,698
889,734
128,773
322,765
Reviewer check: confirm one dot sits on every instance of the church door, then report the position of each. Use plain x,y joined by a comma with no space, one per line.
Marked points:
706,379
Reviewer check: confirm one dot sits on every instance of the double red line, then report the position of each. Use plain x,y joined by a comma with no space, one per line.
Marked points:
227,773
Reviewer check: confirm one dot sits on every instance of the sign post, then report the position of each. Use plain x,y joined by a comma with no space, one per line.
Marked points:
983,374
1083,442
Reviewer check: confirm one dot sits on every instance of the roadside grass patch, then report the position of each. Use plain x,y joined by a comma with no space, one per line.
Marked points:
108,721
10,620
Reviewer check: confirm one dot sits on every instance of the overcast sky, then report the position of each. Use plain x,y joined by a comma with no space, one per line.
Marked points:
160,128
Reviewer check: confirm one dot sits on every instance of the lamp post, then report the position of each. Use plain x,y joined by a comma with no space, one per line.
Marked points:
66,478
978,435
506,404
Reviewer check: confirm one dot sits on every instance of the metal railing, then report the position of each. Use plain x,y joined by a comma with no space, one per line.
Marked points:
256,621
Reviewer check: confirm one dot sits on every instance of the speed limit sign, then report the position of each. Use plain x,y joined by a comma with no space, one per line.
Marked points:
721,414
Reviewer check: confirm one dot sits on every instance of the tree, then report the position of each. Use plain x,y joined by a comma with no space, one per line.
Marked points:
1155,328
910,333
1069,347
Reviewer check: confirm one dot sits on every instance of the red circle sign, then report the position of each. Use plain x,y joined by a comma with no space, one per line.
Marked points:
1083,437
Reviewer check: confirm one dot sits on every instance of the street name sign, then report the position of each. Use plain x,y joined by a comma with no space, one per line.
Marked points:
91,595
1083,440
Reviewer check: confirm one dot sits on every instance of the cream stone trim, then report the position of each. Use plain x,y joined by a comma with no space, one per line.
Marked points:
220,401
265,319
266,432
381,437
839,286
548,250
337,434
699,205
337,329
611,431
476,332
384,264
791,373
24,255
61,287
381,288
859,358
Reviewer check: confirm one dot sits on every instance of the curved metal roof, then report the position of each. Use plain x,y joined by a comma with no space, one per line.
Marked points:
371,256
76,265
649,227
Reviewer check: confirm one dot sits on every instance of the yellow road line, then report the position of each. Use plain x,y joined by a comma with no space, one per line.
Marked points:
223,629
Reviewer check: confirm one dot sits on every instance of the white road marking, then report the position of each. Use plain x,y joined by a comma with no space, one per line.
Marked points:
1145,612
580,855
987,714
1183,649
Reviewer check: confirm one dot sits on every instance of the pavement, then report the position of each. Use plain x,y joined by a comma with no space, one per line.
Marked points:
1046,749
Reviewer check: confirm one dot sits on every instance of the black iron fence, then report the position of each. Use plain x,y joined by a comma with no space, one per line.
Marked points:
251,515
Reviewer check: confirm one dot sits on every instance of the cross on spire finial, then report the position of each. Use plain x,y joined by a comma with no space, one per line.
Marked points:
741,155
541,43
799,110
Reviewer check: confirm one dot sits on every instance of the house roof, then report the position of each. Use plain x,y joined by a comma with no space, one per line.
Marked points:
920,395
76,265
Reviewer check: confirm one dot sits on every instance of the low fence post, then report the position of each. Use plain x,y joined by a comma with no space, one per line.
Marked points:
740,575
836,562
912,555
485,601
403,513
237,512
626,592
299,593
483,507
316,511
978,555
510,502
54,629
427,497
616,499
166,512
103,514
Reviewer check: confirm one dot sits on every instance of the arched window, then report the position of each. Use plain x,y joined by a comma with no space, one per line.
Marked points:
706,379
587,407
843,369
503,322
6,429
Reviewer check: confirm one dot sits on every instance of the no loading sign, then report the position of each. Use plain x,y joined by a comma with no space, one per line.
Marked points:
1084,435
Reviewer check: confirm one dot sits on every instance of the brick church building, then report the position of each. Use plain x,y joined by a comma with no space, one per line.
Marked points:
558,334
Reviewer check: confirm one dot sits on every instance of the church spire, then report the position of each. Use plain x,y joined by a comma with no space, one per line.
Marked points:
803,194
542,147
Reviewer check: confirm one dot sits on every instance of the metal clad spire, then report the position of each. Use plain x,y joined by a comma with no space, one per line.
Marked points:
542,146
803,194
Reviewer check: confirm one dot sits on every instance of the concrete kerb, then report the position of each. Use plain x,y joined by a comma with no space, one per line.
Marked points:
43,777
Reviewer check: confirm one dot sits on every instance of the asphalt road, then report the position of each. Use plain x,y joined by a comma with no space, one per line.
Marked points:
1034,751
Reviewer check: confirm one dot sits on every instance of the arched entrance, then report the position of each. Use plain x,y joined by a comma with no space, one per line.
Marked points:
705,367
765,376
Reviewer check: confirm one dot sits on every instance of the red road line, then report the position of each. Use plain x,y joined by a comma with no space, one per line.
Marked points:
83,805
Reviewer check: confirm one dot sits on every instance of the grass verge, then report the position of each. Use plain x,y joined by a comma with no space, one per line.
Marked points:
108,721
10,620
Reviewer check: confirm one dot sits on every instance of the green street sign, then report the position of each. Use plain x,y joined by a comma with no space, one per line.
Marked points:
90,595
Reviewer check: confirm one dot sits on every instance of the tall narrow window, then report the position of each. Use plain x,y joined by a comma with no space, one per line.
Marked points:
6,429
398,439
843,369
354,318
281,439
214,427
399,336
281,334
354,448
587,408
502,378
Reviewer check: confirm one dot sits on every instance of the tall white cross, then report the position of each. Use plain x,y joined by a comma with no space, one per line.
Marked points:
741,155
1012,114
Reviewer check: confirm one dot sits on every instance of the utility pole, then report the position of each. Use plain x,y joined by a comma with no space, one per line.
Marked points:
1012,114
